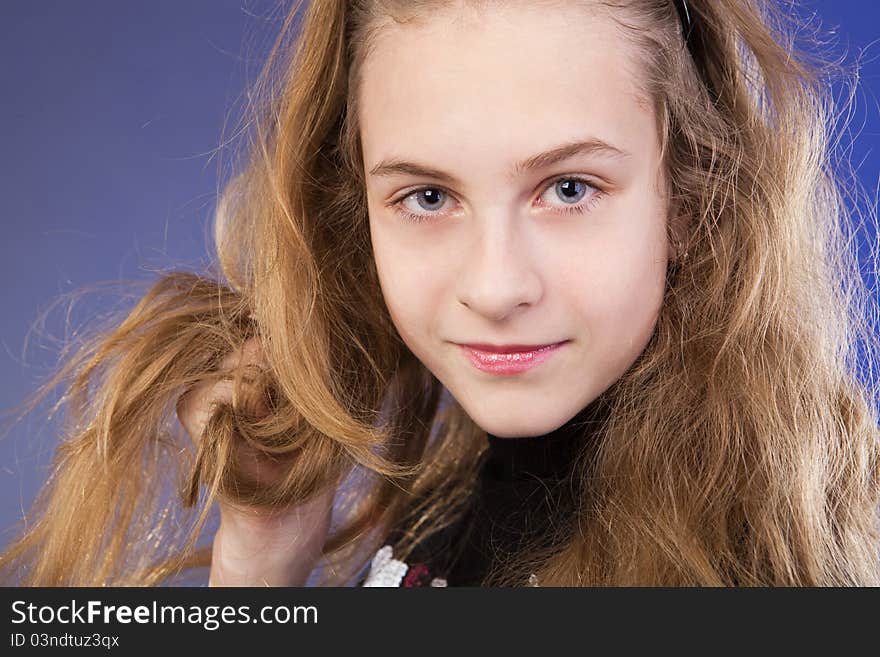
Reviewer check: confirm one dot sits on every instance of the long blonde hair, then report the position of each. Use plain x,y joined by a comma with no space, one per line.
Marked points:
740,449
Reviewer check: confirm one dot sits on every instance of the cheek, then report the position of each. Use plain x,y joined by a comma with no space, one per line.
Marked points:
622,296
409,286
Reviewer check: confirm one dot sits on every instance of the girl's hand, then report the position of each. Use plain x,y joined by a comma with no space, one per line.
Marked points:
254,546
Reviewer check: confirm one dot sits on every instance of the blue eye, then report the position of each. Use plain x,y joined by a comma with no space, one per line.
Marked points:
432,198
428,198
570,189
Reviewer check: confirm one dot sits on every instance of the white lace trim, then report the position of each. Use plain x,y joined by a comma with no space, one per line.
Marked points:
385,570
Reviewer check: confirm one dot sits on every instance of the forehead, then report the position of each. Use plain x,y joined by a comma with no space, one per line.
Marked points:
507,75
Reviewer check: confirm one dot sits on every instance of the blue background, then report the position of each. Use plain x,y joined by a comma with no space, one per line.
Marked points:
111,114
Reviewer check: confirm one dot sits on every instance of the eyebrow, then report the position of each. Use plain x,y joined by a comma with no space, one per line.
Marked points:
591,146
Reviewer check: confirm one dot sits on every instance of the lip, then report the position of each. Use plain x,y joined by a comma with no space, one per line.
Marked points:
508,359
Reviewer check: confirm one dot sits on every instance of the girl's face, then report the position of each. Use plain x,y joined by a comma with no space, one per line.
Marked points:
490,225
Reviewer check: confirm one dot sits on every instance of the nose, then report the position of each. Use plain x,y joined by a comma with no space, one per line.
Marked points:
499,273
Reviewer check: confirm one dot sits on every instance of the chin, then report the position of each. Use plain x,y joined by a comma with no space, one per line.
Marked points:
509,428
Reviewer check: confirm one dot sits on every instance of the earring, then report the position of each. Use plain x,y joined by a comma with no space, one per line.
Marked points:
679,248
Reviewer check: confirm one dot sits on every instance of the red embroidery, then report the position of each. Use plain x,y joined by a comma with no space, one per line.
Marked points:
417,575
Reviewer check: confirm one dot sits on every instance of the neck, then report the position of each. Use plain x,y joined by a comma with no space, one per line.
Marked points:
546,455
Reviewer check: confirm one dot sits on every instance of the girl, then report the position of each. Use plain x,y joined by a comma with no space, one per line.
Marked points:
509,292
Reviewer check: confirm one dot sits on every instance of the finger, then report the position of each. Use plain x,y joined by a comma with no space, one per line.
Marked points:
194,408
249,353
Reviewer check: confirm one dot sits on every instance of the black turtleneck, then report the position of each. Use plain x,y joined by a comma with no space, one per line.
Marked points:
522,491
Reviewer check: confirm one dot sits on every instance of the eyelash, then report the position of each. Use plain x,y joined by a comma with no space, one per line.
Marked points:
580,208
